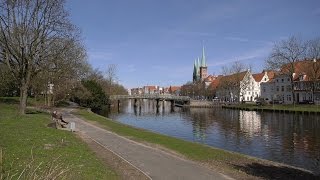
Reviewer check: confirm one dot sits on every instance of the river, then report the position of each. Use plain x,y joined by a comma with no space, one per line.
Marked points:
292,139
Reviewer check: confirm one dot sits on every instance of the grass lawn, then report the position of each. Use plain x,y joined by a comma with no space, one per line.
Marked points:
29,145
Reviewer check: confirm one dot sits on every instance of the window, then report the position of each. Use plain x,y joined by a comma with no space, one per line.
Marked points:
277,88
281,80
288,88
265,79
288,79
282,88
249,92
264,89
288,97
277,80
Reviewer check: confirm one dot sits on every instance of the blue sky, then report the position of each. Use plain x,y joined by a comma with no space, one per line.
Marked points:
155,42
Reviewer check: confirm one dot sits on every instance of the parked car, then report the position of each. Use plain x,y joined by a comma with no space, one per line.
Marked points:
276,102
306,102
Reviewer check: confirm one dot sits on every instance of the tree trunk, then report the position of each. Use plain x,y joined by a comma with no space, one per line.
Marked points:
23,98
25,81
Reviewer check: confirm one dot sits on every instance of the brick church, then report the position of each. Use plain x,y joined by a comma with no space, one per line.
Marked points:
200,69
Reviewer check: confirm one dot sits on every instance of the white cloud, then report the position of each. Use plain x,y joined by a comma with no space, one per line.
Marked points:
258,53
100,56
237,39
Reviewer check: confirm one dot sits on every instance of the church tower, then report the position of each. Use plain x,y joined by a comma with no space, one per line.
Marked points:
196,70
203,66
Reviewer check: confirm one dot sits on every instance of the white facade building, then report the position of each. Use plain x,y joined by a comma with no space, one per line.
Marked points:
278,89
238,87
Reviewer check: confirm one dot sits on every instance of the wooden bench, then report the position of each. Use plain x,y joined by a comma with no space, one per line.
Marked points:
57,118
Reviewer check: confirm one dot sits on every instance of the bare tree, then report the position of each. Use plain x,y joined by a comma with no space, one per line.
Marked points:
111,73
236,67
312,67
284,55
313,48
29,33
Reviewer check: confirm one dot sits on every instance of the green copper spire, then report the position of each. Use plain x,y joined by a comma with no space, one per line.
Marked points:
194,69
198,67
203,58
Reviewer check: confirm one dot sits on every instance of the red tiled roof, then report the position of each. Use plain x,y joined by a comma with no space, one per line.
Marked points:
234,77
151,88
215,83
305,67
174,88
258,77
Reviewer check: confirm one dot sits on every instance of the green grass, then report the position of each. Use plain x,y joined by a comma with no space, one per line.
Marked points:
26,138
280,107
16,100
190,150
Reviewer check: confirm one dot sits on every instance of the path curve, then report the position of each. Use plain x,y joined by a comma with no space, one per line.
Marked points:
154,163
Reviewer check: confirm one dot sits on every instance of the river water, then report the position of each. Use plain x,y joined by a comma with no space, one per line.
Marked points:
292,139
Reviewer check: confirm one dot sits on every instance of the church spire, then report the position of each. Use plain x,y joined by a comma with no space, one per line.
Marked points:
203,58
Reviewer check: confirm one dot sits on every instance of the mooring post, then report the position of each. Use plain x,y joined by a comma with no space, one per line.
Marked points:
135,103
172,104
158,103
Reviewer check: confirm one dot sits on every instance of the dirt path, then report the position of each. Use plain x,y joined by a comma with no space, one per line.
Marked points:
135,160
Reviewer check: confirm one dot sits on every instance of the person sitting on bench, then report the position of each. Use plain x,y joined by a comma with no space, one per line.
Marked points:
58,117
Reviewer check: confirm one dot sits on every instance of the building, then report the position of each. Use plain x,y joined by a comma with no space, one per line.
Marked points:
237,87
303,86
175,90
200,69
150,90
278,89
262,77
136,91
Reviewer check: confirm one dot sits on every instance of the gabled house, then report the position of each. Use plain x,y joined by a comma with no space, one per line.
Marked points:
237,87
150,89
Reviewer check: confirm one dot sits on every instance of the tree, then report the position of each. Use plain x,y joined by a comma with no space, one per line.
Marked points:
32,32
312,67
284,55
236,67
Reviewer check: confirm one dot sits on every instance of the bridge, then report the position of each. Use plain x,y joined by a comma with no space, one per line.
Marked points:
157,97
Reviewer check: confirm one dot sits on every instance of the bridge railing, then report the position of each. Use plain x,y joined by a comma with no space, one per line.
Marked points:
150,96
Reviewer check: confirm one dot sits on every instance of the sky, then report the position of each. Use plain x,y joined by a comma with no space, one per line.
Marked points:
155,42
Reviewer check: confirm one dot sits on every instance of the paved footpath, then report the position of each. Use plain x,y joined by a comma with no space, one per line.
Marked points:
154,163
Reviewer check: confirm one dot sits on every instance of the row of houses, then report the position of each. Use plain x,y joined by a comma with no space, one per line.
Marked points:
299,82
174,90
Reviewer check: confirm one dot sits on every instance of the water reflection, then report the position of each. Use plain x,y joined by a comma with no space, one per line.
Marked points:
289,138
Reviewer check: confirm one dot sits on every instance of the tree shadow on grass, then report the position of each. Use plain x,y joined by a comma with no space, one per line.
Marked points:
52,125
31,111
9,100
275,172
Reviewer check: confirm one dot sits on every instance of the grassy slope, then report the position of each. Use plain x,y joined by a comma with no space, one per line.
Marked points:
19,135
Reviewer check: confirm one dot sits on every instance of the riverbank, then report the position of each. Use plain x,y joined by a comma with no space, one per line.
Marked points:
232,164
202,104
32,149
299,108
